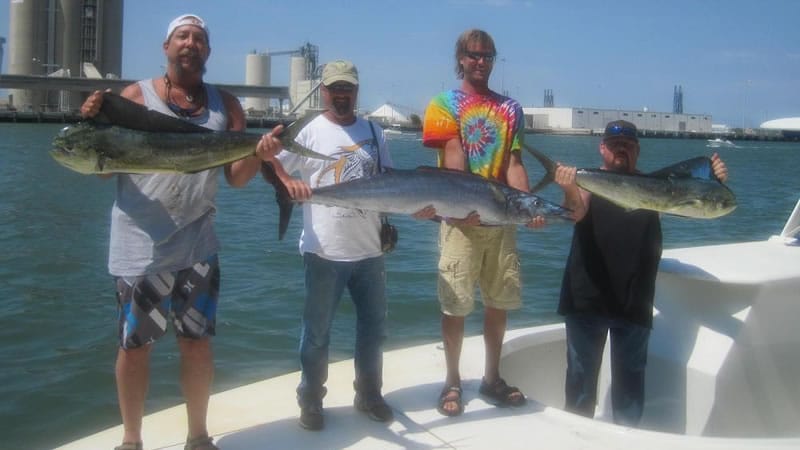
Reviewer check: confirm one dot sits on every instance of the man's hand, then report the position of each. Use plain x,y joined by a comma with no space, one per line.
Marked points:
426,213
297,188
92,105
537,222
565,175
719,167
269,145
472,220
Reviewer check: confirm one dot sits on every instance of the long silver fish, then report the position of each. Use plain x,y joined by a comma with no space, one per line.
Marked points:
152,142
687,189
453,193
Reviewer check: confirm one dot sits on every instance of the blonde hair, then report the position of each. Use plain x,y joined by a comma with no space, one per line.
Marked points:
471,35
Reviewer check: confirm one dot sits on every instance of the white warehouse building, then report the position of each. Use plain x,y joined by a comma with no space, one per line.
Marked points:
593,121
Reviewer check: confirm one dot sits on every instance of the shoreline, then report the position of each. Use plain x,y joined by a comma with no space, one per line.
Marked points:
269,122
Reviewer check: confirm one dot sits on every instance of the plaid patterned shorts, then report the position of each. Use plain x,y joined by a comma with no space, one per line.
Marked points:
187,297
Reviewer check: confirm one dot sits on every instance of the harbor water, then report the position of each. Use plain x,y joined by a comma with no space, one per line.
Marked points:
58,311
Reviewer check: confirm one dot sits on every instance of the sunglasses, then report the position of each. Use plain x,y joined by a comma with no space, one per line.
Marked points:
619,130
343,88
476,56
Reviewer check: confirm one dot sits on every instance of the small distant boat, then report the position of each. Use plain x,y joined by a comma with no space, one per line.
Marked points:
719,142
397,130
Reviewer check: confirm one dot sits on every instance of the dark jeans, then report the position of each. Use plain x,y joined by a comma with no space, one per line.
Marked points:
586,337
325,283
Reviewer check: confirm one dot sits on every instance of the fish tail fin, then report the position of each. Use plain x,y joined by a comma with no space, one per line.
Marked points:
293,129
285,204
549,167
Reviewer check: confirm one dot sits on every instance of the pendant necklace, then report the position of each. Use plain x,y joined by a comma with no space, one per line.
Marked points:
185,112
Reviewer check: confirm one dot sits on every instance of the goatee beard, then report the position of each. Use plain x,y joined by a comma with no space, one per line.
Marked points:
180,70
197,66
343,108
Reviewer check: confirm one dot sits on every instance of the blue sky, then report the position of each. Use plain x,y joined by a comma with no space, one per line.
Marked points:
737,60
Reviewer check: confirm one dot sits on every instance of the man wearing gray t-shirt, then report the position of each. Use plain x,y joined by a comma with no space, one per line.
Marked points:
163,249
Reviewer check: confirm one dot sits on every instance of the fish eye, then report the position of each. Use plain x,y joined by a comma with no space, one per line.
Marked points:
63,132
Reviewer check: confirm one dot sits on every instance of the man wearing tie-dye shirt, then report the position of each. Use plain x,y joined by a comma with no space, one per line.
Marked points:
478,131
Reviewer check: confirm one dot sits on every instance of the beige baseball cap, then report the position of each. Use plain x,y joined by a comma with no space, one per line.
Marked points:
339,70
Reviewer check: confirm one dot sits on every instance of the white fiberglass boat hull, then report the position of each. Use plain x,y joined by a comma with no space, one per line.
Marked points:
724,360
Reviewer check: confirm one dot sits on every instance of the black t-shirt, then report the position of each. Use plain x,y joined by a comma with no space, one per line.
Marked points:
612,265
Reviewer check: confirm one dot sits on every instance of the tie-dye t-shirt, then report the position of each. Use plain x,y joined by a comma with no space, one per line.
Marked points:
489,126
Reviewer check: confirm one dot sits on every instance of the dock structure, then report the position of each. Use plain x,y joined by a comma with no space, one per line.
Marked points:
80,84
87,85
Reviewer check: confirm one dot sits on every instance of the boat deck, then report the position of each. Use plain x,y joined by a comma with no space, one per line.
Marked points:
726,326
264,415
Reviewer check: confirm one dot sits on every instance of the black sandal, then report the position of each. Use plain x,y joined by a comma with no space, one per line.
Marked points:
447,397
501,394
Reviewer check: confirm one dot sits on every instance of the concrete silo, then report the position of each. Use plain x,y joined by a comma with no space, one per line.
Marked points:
27,47
109,34
257,73
57,37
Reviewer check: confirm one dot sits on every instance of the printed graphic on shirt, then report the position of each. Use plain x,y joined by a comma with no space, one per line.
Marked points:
355,161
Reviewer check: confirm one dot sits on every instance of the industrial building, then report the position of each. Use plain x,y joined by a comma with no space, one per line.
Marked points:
392,115
62,38
68,42
304,74
594,120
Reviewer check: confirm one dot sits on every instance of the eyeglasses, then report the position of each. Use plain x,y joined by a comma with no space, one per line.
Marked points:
620,130
344,88
476,56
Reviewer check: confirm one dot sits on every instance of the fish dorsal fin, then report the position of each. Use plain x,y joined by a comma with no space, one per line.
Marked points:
699,167
120,111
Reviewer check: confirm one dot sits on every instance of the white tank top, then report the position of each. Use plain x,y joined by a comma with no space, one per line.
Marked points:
165,222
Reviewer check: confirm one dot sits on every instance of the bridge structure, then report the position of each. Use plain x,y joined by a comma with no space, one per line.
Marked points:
80,84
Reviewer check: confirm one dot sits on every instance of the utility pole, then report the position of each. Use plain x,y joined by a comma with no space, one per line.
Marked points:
2,43
503,77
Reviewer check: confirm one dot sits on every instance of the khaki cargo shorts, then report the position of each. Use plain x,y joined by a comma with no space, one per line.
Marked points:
486,256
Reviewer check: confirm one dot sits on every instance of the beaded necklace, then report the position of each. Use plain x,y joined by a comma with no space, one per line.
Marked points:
184,112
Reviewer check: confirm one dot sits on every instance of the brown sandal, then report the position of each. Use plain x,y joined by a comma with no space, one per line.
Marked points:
501,394
129,446
450,394
200,443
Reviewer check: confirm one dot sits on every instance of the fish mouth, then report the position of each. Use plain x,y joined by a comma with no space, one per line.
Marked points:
59,152
64,157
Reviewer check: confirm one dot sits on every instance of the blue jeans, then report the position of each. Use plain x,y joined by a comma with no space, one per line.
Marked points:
586,337
325,283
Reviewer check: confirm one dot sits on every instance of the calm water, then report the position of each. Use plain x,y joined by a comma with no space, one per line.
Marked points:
57,307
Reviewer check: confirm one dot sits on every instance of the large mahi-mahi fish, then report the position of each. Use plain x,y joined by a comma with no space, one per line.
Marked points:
688,188
127,137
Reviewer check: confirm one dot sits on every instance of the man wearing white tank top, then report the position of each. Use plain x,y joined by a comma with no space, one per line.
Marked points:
163,249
